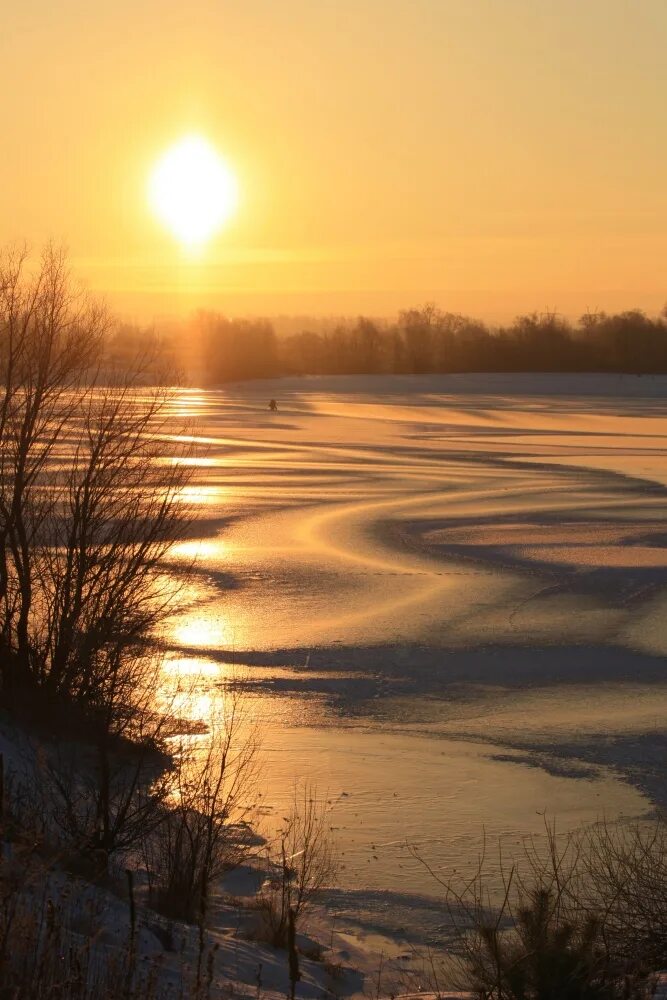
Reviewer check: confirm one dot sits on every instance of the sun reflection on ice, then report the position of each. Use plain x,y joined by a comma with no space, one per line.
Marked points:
196,462
194,666
193,689
200,549
198,705
188,403
200,494
209,633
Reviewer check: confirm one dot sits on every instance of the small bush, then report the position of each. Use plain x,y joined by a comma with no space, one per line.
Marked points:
582,919
202,833
548,954
303,866
625,878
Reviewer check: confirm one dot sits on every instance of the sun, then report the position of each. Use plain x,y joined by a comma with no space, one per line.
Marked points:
192,191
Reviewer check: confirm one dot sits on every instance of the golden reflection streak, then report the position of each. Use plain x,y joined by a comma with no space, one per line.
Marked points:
202,494
193,667
201,632
193,691
196,463
199,549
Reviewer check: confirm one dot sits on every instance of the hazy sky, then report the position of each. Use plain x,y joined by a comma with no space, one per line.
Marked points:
491,155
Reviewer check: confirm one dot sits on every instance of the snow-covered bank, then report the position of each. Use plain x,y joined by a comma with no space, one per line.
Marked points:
70,926
94,922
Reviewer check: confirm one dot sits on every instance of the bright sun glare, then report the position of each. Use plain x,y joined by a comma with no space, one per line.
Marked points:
192,191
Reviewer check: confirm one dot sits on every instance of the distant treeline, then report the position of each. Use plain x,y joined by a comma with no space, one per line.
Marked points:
215,349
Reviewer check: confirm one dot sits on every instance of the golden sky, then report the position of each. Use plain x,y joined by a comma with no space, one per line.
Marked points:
490,155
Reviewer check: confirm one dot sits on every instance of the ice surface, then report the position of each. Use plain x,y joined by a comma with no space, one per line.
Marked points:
450,592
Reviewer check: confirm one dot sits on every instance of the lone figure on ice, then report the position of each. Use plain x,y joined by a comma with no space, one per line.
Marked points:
273,406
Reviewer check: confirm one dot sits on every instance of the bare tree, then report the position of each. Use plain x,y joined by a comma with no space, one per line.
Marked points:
100,590
48,340
90,500
305,864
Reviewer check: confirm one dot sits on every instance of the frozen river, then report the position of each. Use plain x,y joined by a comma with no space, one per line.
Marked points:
450,594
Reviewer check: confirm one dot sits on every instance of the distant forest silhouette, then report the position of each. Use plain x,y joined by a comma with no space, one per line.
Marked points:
216,349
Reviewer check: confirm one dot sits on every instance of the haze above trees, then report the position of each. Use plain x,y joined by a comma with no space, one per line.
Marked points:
211,348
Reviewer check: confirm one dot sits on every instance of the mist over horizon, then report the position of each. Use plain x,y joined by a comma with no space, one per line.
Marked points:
297,320
211,348
317,310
